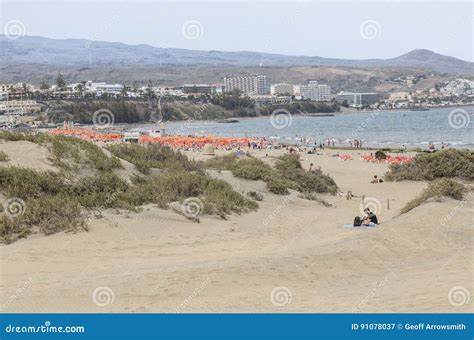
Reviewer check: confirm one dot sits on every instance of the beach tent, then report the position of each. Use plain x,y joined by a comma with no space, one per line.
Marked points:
208,149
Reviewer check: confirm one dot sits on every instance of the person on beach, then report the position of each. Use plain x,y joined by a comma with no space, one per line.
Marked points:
357,222
361,222
376,180
370,217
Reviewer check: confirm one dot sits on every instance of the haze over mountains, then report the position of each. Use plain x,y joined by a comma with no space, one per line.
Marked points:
88,53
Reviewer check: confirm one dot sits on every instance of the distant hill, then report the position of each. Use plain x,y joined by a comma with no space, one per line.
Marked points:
87,53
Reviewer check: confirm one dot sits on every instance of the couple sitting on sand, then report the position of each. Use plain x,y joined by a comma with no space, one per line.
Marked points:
376,180
369,219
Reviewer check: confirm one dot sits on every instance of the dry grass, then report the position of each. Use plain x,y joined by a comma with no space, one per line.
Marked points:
450,163
436,190
3,157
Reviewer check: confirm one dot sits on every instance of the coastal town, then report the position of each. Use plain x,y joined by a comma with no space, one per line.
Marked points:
31,104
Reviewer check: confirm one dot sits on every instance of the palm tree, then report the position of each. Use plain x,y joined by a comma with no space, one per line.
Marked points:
124,92
60,82
79,88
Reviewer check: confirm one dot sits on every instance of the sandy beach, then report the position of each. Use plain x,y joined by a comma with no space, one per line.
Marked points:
290,255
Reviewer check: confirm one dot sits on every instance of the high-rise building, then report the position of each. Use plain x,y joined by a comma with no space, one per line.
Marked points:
247,84
324,93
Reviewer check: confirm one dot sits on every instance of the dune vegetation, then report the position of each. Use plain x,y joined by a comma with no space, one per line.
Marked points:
3,156
435,190
286,174
53,201
449,163
154,156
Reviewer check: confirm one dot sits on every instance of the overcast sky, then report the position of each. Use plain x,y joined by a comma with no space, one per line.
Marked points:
336,29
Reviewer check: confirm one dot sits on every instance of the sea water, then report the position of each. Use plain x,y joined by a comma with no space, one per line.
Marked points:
453,125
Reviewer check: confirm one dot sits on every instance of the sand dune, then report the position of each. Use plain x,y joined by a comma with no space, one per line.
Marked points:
291,255
26,154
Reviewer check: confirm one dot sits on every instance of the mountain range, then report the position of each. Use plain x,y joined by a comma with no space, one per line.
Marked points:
88,53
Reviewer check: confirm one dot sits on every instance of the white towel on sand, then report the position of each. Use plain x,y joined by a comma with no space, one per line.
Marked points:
350,225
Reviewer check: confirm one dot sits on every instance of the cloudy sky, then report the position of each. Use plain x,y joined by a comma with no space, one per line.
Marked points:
339,29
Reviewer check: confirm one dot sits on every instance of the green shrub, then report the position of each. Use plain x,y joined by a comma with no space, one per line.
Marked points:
53,214
256,196
219,198
316,181
217,195
154,156
102,190
288,164
278,186
26,183
437,189
287,174
380,155
289,167
72,153
225,162
251,168
68,153
450,163
3,157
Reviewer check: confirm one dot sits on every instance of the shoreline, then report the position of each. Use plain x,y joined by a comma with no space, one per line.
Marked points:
303,130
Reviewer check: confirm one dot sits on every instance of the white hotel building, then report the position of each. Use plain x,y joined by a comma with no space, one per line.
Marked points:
100,88
247,84
316,92
282,89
